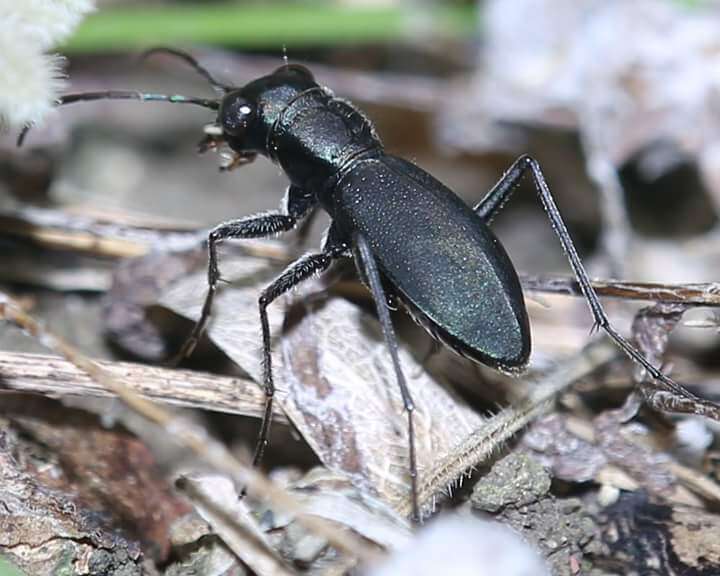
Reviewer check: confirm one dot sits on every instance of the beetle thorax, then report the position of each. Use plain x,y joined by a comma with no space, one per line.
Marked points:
317,136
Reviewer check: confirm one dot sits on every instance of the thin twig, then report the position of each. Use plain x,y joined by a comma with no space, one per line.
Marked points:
188,434
235,526
115,235
701,294
56,377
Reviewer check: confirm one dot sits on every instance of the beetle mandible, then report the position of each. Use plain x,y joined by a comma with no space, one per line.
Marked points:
412,238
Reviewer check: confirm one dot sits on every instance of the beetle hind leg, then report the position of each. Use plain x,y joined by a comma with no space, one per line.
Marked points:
374,281
493,202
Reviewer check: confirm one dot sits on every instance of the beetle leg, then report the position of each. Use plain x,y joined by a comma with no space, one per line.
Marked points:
297,204
296,273
373,278
495,200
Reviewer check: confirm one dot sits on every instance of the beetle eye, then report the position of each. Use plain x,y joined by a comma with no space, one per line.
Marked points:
235,114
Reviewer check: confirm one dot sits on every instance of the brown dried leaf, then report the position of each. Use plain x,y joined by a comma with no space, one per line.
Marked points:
341,393
579,452
334,380
333,497
651,330
235,324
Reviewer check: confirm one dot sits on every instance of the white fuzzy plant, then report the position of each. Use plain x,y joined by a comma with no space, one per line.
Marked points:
31,75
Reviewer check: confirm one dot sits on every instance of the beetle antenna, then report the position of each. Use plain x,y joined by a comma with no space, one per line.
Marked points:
191,61
125,95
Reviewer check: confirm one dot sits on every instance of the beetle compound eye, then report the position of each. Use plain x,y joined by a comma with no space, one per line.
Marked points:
236,113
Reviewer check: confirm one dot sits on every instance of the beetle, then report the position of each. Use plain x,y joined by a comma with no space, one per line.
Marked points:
411,237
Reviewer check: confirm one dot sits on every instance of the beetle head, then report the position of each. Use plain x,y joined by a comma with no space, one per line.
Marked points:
247,115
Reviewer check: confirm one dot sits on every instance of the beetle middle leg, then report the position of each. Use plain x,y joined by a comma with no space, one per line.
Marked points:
373,278
296,273
493,202
298,204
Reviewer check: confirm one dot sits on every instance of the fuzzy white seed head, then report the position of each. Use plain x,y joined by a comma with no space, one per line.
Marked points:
42,23
30,79
29,82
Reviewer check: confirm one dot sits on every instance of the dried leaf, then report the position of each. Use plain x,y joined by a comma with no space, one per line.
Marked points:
332,497
137,283
235,324
341,393
652,327
334,380
651,330
578,452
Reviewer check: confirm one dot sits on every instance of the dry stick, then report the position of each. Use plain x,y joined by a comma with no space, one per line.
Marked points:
61,230
55,376
490,437
700,294
237,529
192,437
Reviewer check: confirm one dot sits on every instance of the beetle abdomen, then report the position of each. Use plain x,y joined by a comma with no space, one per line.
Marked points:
442,260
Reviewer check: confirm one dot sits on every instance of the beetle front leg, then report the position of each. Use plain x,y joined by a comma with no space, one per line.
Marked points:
298,204
493,203
373,278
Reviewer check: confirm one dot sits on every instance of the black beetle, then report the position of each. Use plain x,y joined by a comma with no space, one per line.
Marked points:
411,236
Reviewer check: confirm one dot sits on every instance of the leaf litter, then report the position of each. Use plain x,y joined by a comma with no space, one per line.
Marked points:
333,377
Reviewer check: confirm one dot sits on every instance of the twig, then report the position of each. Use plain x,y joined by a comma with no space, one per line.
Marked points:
700,294
114,235
481,444
704,294
54,376
234,524
192,437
